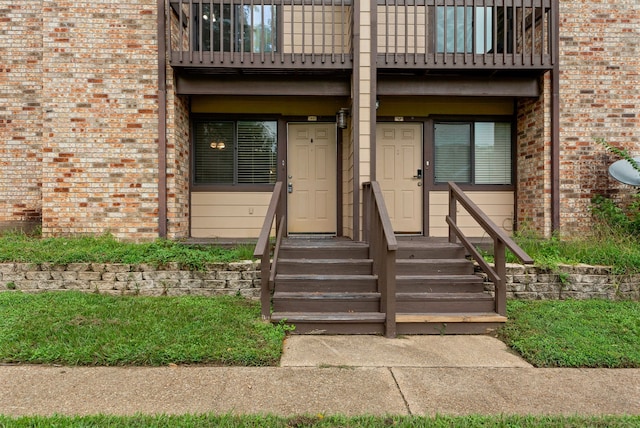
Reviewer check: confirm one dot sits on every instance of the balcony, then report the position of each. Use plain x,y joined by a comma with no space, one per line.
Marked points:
261,34
315,35
466,34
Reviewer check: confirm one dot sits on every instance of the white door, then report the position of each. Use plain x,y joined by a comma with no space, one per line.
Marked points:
399,172
311,178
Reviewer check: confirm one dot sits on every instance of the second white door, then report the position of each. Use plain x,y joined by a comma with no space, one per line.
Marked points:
399,172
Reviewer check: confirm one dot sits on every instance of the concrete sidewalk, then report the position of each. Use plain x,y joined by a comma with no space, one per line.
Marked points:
350,375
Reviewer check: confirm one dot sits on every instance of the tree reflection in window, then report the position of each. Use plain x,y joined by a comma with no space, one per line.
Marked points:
239,28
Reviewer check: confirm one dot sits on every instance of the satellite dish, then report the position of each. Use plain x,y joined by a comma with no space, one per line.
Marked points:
624,172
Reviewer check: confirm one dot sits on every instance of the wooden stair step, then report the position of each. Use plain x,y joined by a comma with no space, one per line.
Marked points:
439,283
295,249
434,266
325,295
443,302
431,250
325,302
470,317
325,266
444,296
449,323
330,317
328,283
332,322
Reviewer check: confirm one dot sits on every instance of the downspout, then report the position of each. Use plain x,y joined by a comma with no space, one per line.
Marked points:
555,122
162,120
555,150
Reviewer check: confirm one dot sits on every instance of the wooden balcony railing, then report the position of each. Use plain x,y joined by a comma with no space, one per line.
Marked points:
263,34
318,34
497,272
378,232
458,34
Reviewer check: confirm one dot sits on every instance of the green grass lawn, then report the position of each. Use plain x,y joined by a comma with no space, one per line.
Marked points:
318,421
575,333
18,247
72,328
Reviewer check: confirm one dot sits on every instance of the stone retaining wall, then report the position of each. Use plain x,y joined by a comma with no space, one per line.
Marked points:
568,282
523,282
123,279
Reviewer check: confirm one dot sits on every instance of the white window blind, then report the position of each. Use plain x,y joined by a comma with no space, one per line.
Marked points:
257,143
492,153
214,152
452,152
476,152
242,152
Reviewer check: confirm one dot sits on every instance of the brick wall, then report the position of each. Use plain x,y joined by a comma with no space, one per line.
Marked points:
177,164
178,146
20,110
100,118
533,161
599,98
79,117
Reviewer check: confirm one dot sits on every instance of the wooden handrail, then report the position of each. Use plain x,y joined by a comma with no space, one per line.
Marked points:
383,245
262,250
501,241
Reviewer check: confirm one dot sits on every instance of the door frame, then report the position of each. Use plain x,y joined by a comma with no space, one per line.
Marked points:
284,164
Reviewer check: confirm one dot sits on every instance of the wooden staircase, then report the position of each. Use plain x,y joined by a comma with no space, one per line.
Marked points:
383,285
328,287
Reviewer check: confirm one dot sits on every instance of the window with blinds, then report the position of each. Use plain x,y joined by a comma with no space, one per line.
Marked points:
235,152
492,153
473,152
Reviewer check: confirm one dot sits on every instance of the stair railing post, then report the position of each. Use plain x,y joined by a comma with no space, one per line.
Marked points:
390,290
265,293
263,250
499,254
453,209
366,212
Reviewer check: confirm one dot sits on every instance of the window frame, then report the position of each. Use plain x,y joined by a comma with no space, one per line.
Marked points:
235,187
471,119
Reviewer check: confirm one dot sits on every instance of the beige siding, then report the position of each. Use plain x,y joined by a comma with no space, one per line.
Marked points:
499,206
319,29
227,214
402,29
347,181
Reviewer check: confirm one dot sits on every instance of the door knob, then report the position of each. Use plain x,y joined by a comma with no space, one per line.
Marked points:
290,187
418,174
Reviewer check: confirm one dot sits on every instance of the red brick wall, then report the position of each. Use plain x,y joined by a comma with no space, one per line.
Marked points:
100,117
177,165
533,162
599,98
20,109
79,119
